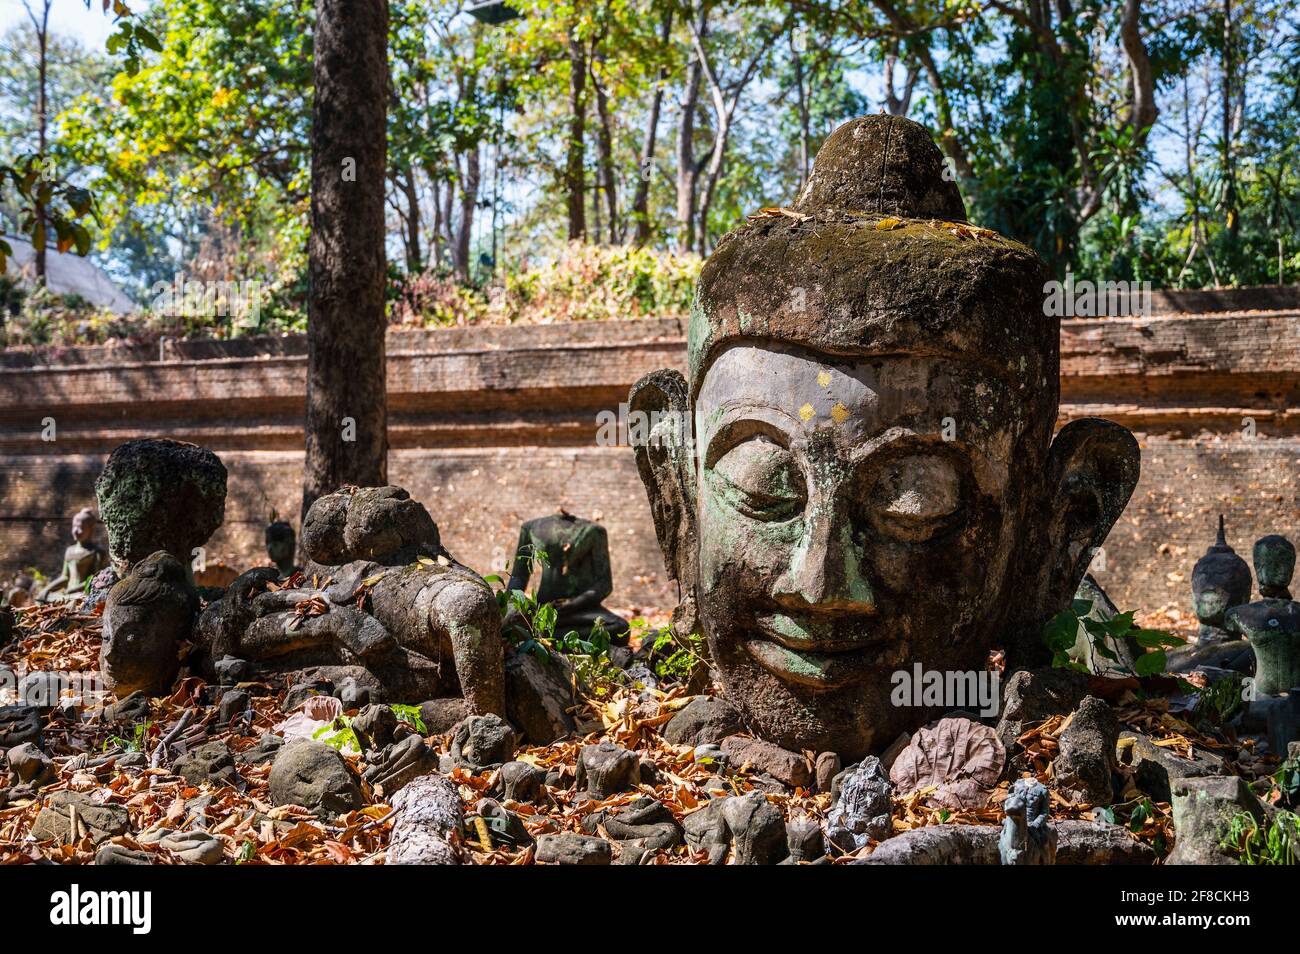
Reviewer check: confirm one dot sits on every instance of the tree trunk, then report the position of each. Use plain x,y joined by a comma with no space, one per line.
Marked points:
42,121
468,203
1229,154
414,254
574,167
347,411
641,198
687,171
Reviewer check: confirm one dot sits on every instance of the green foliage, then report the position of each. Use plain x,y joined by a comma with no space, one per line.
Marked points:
136,743
411,716
1218,702
338,734
1275,842
1062,632
680,659
584,283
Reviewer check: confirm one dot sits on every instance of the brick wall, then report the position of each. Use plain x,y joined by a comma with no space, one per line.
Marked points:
491,426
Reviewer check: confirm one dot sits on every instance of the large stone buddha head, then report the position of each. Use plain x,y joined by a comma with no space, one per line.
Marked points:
869,478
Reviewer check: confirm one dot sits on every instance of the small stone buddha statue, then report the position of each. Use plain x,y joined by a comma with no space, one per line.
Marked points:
858,474
1220,581
1274,559
281,546
81,561
576,575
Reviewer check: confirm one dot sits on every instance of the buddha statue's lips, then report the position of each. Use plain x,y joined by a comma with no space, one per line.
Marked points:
813,652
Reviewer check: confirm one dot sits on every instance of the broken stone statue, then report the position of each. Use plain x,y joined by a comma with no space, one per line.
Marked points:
1220,581
392,610
159,494
1272,624
858,471
81,561
575,571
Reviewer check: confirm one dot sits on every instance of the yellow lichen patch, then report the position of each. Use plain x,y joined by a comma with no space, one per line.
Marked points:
824,379
806,412
839,413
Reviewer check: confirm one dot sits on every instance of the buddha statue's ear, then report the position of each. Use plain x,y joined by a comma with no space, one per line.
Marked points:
1092,469
665,459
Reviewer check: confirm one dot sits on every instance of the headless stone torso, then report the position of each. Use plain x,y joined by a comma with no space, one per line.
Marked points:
576,576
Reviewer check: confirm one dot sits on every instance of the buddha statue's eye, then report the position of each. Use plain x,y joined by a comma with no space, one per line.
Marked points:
760,478
915,497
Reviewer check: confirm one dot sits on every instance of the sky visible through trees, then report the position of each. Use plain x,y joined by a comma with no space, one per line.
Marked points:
1154,140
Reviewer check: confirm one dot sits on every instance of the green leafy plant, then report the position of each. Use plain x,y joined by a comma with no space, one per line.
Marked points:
1218,702
410,715
1062,632
1275,842
136,743
682,656
338,734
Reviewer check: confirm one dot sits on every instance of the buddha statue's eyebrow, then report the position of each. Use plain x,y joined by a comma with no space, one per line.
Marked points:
738,421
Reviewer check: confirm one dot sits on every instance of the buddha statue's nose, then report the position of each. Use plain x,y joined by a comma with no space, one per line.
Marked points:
826,571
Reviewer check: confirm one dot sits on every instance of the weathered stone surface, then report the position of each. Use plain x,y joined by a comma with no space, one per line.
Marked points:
32,766
703,720
132,710
1274,559
1032,695
100,821
1095,843
1086,763
804,840
194,847
1156,768
483,742
864,808
789,768
157,494
826,767
19,724
757,829
441,716
706,830
646,823
861,329
1273,628
315,776
939,845
399,763
147,615
539,696
111,853
210,762
234,703
606,769
520,782
1203,811
264,751
1220,581
374,726
370,523
567,848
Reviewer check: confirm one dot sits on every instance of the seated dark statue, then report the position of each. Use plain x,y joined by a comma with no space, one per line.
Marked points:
1274,559
384,604
858,471
81,561
1271,624
575,572
1220,581
281,547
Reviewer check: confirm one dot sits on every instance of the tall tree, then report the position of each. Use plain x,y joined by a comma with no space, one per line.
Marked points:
347,410
41,24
